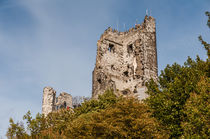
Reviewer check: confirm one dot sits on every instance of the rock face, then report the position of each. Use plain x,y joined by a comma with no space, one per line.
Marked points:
64,100
48,102
125,61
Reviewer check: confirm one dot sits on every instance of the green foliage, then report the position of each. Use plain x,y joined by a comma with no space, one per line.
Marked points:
107,117
63,120
208,21
171,99
205,44
103,101
176,83
35,125
128,118
58,121
16,130
197,110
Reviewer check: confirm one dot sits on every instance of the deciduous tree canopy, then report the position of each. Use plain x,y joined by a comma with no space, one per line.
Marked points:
181,95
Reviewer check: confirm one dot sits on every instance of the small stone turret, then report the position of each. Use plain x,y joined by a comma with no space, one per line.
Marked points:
48,102
125,61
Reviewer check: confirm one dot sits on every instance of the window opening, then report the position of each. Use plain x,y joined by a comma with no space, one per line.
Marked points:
64,104
125,73
111,48
124,92
130,48
99,81
112,67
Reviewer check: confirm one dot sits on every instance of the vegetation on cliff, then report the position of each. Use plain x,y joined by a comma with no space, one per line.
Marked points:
178,107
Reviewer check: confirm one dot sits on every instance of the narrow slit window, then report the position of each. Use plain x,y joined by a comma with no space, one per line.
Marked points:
64,104
112,67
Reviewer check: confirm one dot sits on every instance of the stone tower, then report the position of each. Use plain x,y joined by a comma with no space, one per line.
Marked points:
48,102
125,61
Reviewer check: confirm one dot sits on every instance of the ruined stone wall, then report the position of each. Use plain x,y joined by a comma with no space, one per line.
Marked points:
52,103
64,100
125,61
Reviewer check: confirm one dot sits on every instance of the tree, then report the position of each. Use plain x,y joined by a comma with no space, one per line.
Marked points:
36,125
171,98
197,110
197,107
128,118
205,44
16,130
103,101
56,123
108,117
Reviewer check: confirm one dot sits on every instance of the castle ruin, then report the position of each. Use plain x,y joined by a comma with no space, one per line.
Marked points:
52,103
125,61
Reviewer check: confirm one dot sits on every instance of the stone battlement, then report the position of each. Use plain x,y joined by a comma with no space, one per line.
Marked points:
147,26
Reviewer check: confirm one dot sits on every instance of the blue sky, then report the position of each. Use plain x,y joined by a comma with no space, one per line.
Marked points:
53,43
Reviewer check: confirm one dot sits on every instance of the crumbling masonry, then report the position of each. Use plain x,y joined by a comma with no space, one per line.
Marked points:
125,61
52,103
